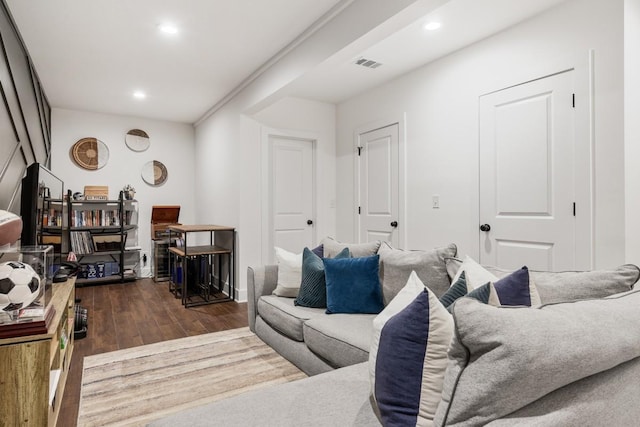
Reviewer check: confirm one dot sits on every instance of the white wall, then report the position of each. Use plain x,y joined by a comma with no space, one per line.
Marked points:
229,138
229,165
171,143
441,106
632,128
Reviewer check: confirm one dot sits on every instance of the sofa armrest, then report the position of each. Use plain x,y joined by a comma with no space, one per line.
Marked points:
260,281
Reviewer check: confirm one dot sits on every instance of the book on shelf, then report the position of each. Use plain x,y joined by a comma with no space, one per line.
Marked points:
81,242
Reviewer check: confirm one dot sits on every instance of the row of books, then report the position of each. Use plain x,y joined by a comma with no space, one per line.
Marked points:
51,218
95,218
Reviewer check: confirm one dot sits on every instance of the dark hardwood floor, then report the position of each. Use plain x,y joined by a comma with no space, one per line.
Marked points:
125,315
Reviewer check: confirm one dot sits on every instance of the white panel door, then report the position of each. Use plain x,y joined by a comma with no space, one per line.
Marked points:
526,175
379,185
292,193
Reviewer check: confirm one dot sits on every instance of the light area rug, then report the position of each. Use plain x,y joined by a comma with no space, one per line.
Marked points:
135,386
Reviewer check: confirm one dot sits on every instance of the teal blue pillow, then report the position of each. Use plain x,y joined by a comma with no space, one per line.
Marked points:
313,288
353,285
457,290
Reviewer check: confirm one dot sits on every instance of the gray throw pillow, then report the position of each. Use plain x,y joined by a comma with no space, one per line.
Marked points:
575,285
396,266
502,359
357,250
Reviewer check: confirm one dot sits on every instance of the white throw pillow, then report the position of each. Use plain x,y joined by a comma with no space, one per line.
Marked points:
289,273
475,274
408,356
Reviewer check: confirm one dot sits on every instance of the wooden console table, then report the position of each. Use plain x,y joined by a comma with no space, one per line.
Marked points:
34,368
192,267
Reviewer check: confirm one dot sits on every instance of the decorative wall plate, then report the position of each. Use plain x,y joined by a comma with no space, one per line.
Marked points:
154,173
90,153
137,140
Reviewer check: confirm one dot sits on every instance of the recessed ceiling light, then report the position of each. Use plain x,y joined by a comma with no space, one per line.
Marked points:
139,94
432,26
168,28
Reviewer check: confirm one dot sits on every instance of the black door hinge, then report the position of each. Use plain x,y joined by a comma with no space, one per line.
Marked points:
359,210
573,100
359,150
574,208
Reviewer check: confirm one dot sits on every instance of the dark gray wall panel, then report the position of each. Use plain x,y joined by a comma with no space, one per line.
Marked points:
21,74
8,136
11,182
25,114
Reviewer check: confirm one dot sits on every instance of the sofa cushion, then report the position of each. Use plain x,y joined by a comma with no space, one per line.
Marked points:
289,273
332,248
340,339
575,285
282,315
408,356
313,288
353,285
333,399
599,400
396,266
516,356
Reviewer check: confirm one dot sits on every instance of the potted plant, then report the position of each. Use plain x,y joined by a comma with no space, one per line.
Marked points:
129,192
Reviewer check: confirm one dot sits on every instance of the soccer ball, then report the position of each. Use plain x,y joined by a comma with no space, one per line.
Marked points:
19,285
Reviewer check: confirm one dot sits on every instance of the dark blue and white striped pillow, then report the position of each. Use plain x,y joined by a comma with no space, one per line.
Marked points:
408,356
515,289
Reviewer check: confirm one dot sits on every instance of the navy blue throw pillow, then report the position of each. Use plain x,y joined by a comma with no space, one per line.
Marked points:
516,289
319,250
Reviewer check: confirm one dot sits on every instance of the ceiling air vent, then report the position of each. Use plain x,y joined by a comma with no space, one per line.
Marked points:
367,63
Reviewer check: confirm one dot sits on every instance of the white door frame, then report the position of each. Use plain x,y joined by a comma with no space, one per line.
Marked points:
401,121
266,190
584,131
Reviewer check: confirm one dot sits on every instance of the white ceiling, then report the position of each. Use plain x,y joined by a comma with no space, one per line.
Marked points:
464,22
93,55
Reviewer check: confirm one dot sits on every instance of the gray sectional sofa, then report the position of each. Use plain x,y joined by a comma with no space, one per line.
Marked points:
314,341
574,361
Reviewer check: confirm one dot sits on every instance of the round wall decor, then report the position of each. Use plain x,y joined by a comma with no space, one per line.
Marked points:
90,153
137,140
154,173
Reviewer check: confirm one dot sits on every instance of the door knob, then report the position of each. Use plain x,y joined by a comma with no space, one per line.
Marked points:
485,227
309,222
394,223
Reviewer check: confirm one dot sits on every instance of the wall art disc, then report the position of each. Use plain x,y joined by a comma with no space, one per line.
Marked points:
137,140
90,153
154,173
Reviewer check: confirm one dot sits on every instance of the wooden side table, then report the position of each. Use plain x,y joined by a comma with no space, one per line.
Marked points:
193,267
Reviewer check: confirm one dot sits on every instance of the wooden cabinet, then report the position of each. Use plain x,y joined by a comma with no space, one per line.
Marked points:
33,369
